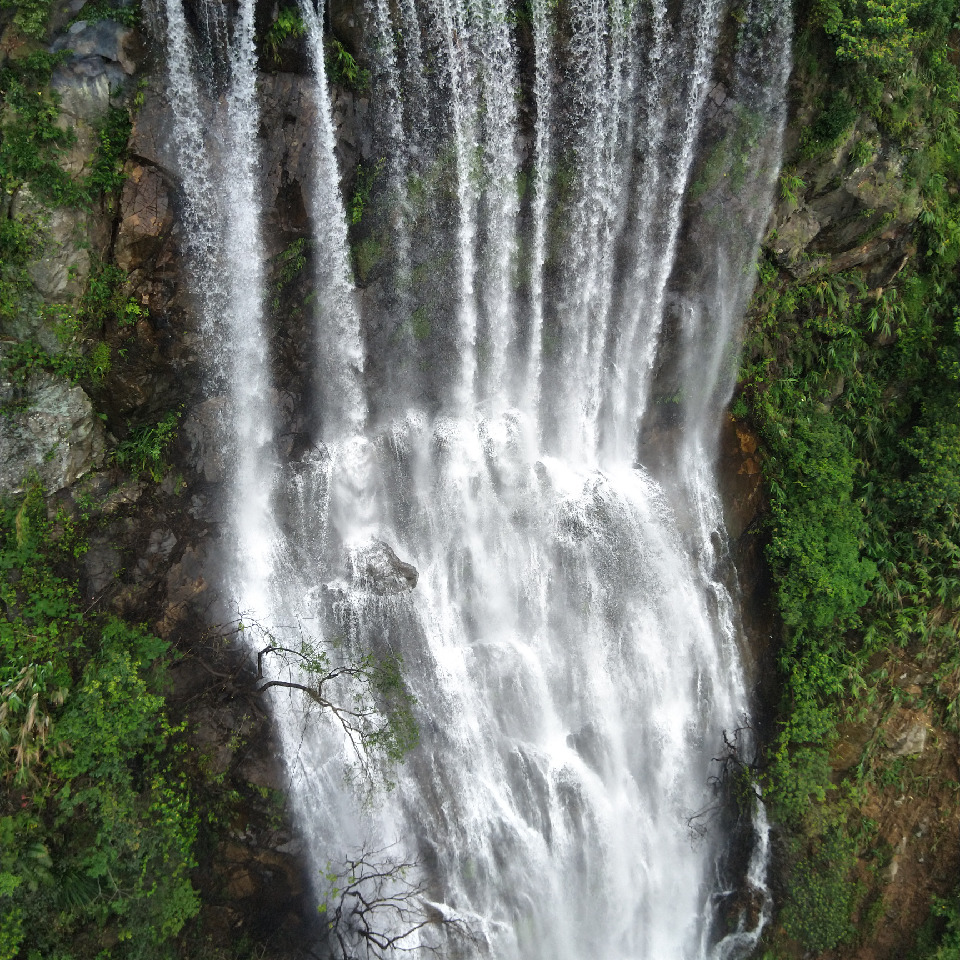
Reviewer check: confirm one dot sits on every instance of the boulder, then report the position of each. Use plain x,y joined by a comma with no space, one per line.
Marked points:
795,234
101,38
375,568
910,741
53,431
87,86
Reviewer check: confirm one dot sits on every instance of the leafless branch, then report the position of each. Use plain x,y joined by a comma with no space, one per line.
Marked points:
376,909
735,771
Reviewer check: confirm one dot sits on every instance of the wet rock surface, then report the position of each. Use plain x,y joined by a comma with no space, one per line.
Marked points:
147,216
375,568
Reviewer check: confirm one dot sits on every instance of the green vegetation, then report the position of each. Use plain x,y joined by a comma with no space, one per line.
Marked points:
730,156
854,393
822,896
113,133
83,356
97,826
21,241
288,265
32,144
106,303
831,126
30,18
366,177
366,255
94,10
144,451
344,70
863,505
940,937
288,25
790,186
420,325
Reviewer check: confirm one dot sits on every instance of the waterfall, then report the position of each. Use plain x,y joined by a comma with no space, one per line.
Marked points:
483,494
340,358
543,155
216,116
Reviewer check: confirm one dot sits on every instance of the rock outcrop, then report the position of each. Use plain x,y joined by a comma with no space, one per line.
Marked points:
49,432
375,568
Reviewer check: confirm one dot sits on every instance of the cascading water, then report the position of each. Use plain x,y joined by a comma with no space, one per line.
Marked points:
214,105
566,631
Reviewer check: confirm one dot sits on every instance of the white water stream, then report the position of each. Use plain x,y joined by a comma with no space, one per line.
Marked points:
570,642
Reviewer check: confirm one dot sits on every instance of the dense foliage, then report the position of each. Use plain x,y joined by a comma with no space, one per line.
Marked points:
32,142
855,394
96,821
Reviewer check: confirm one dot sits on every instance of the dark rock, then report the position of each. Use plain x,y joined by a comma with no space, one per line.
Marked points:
212,733
204,432
263,772
188,594
741,478
146,216
100,566
189,678
159,546
590,746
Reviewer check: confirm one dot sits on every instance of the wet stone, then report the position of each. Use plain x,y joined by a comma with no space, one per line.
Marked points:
375,568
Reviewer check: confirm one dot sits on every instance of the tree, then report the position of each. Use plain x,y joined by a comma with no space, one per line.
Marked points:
365,694
375,908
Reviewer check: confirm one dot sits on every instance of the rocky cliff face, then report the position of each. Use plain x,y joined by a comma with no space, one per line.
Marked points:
852,212
153,530
154,544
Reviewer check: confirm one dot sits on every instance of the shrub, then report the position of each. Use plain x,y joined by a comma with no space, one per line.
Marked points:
97,827
144,450
822,894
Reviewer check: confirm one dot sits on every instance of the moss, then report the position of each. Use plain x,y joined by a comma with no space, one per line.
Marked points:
366,255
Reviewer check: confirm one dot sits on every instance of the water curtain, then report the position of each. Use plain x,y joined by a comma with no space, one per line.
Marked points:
486,493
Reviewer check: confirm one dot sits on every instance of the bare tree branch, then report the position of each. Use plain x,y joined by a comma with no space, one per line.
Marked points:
736,776
375,910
